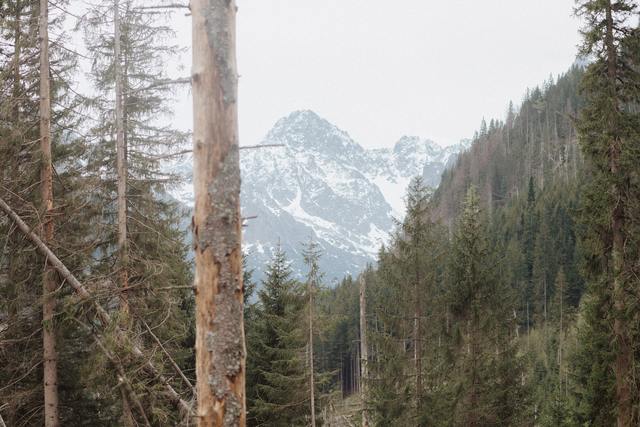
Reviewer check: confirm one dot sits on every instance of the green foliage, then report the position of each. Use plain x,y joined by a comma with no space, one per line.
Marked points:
486,366
609,132
277,381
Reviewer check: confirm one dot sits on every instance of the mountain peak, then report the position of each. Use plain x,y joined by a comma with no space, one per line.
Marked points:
300,120
305,129
415,148
325,185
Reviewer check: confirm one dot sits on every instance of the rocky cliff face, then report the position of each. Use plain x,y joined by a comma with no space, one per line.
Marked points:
322,185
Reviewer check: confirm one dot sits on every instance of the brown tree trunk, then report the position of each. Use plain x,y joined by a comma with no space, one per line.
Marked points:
220,347
311,367
561,344
121,161
16,62
474,418
364,352
121,172
622,365
50,355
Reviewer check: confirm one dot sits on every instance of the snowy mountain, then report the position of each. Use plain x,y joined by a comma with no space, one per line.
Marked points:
322,185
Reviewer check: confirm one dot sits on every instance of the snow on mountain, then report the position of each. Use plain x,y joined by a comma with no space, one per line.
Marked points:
322,185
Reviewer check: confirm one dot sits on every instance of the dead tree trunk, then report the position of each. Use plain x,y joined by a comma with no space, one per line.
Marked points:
220,347
364,353
50,355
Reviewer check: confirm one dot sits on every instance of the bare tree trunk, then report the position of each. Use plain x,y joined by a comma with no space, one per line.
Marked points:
561,344
220,347
121,161
16,61
311,368
364,353
50,355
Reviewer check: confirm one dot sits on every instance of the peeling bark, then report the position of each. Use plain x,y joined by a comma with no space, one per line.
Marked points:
220,347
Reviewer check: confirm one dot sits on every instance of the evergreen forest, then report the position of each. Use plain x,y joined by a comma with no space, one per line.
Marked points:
508,295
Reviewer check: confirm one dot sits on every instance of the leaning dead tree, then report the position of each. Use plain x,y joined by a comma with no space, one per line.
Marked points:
220,347
50,354
103,317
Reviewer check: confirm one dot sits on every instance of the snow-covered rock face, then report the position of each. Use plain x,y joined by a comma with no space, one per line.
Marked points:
322,185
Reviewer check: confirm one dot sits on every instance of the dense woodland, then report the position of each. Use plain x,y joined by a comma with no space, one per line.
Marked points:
507,296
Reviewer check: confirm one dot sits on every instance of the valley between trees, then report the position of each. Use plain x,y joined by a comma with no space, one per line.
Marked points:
507,296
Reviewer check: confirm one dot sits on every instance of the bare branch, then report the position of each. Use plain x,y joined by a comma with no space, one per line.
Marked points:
173,363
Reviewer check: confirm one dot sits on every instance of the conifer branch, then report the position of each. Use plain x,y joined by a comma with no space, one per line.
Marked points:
103,316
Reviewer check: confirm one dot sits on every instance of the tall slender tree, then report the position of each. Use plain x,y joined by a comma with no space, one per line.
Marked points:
364,351
138,230
608,129
486,366
33,76
311,256
121,156
50,355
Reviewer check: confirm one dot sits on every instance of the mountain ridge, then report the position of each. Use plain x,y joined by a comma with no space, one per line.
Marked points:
315,182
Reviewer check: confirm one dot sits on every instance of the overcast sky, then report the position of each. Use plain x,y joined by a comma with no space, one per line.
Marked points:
380,69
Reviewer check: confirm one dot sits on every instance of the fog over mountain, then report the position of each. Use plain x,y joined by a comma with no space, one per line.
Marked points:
322,185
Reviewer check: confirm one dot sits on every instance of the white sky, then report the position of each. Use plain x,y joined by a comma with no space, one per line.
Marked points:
380,69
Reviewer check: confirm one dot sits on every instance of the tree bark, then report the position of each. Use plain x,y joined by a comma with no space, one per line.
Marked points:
50,355
220,346
364,353
121,161
622,364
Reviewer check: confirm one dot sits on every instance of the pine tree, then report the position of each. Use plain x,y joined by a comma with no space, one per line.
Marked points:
541,273
486,364
28,153
409,274
139,230
277,387
608,129
49,285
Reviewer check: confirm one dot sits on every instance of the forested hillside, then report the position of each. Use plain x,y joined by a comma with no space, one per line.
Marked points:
496,303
